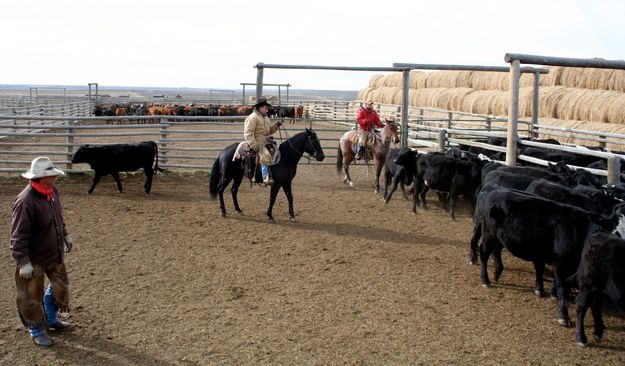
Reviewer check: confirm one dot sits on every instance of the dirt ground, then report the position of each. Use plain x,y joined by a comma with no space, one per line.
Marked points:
162,279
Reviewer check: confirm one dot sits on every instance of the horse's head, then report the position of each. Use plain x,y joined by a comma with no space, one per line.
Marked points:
390,131
313,146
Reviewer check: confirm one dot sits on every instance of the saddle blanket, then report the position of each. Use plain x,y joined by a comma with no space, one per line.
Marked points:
265,155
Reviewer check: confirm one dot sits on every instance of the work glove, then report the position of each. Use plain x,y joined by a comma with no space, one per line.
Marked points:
68,243
279,123
27,271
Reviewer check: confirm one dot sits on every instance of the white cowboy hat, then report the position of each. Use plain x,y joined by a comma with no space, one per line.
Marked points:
42,167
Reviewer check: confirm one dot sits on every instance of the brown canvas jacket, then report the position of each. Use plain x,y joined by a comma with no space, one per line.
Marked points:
38,228
257,130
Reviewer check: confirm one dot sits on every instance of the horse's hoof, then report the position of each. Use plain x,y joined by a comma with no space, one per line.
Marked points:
582,344
377,191
486,285
564,322
539,293
596,338
240,213
472,262
351,184
271,220
222,214
292,219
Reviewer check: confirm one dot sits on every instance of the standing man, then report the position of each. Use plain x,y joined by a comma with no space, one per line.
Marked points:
367,119
257,131
39,240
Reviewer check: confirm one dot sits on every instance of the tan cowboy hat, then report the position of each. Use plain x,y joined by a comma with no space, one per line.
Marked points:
261,102
41,167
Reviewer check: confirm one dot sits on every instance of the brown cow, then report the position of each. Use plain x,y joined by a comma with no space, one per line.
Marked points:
154,110
120,112
244,110
299,113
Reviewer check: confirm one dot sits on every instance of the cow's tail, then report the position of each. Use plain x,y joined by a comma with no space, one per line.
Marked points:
215,179
156,168
339,159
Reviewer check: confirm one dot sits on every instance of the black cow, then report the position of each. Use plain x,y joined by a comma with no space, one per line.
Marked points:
598,201
537,230
559,156
112,159
398,174
445,174
505,179
600,276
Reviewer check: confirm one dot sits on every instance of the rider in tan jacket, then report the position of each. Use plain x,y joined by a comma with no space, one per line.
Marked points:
257,130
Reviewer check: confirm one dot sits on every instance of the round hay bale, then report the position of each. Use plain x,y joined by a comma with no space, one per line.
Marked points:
376,81
553,77
394,79
616,110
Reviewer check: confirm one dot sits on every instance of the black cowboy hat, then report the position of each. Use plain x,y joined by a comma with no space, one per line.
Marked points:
261,102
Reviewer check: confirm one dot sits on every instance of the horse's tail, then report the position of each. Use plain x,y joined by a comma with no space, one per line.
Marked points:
215,178
156,167
339,159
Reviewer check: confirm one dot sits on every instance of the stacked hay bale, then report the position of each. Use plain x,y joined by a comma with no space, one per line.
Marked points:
582,97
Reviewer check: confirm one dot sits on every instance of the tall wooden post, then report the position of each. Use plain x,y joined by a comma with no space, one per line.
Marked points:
259,80
513,113
614,170
404,108
533,131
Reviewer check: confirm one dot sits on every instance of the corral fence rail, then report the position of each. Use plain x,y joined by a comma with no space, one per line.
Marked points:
427,128
184,142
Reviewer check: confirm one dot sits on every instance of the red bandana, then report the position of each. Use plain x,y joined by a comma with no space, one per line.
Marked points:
45,191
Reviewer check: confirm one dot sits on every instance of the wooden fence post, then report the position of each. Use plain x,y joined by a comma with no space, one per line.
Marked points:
535,101
604,142
614,170
442,139
513,113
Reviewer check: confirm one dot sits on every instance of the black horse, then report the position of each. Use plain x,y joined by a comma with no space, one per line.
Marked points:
225,170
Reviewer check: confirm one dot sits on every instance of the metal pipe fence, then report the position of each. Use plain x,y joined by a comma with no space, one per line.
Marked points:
191,142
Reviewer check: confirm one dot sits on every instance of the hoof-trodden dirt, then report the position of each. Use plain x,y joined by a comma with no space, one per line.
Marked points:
162,279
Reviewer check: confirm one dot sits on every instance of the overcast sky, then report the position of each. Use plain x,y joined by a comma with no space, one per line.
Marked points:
215,44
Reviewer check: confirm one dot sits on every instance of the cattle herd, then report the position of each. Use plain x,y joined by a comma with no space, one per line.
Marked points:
569,219
192,109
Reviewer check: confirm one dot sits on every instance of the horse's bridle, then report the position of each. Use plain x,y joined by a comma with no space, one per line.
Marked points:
309,137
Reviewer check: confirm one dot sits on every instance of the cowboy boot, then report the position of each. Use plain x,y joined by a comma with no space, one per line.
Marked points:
50,309
360,152
40,337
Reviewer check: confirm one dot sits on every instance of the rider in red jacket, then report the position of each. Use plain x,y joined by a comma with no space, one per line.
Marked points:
367,119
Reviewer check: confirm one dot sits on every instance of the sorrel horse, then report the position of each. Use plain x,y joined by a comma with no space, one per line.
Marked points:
381,146
225,170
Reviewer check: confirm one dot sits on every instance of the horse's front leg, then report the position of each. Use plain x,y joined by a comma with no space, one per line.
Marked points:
289,197
378,171
272,199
